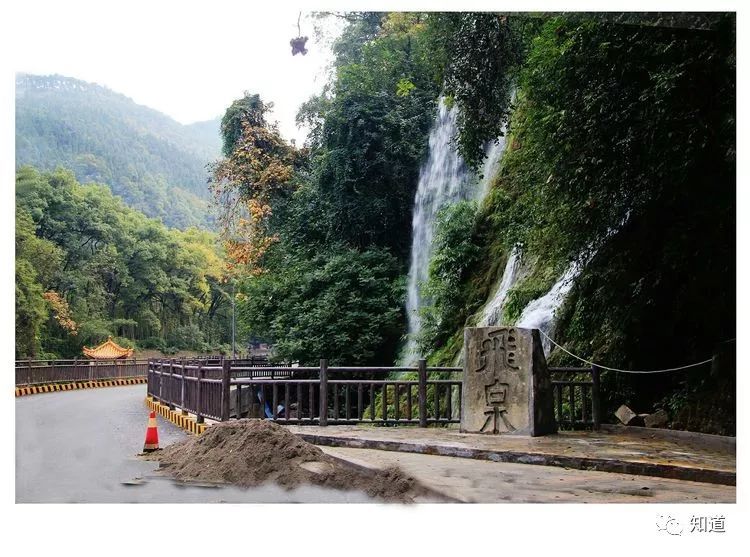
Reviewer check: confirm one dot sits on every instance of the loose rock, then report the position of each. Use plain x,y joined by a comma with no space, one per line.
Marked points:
657,419
626,415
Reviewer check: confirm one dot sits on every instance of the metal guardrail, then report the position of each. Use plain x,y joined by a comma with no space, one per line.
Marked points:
319,395
38,372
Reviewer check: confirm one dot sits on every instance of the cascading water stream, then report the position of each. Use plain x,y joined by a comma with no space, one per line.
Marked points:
493,312
493,155
540,313
443,180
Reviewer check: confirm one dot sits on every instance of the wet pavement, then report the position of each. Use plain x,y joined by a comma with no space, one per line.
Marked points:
81,447
480,481
644,451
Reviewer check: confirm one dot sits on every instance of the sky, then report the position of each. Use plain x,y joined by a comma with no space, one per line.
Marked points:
187,63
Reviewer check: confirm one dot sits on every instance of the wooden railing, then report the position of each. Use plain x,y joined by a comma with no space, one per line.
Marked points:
319,395
220,389
37,372
247,360
576,396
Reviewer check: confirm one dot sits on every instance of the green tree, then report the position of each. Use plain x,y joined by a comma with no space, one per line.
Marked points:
373,139
36,261
247,111
477,57
109,270
455,251
342,305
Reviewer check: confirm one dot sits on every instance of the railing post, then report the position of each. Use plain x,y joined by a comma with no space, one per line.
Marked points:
170,390
225,387
91,370
323,398
28,372
182,390
199,408
595,394
161,380
422,391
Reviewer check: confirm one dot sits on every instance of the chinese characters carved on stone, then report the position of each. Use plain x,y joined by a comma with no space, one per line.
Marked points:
496,358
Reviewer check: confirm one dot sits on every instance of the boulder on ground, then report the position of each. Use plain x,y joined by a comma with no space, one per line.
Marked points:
657,419
626,415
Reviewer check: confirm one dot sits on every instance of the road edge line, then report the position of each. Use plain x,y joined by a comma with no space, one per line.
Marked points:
76,385
188,423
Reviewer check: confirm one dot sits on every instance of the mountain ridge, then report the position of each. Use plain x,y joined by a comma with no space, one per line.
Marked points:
154,163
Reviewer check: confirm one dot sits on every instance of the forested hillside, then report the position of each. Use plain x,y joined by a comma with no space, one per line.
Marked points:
207,137
325,230
87,267
155,164
606,221
616,188
620,176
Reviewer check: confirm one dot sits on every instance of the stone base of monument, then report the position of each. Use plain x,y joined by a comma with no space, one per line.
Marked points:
506,384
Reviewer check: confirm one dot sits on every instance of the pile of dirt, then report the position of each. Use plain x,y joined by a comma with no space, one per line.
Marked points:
250,452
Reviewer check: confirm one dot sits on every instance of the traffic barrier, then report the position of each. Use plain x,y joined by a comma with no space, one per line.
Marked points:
54,387
187,423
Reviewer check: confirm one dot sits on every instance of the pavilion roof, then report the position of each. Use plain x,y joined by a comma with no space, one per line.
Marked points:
108,350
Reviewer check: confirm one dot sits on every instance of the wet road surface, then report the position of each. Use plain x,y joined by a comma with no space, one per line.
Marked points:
81,447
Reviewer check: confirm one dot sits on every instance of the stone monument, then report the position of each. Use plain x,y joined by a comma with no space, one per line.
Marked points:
506,385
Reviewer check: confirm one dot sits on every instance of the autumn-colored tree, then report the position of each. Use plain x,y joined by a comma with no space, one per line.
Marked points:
260,165
61,312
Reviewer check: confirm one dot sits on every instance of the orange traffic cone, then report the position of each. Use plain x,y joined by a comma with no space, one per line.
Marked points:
152,436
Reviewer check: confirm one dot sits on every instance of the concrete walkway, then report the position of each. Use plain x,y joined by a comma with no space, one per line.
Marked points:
650,452
481,481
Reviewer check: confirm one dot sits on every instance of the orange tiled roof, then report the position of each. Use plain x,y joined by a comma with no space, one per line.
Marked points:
108,350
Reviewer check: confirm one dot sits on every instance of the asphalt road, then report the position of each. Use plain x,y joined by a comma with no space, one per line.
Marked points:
81,447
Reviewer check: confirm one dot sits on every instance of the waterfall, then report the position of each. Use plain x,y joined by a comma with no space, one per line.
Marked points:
493,155
540,313
443,180
493,311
